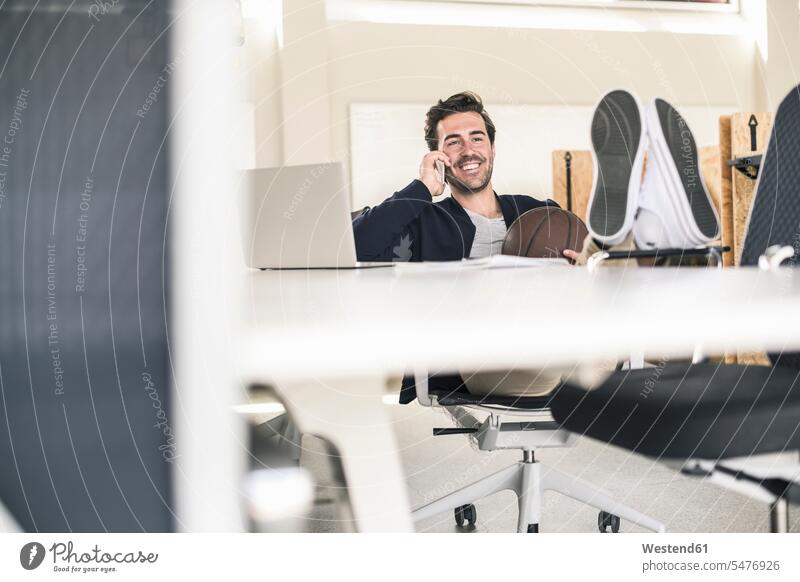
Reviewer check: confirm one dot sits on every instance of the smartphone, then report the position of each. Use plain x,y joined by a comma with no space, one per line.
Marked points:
440,171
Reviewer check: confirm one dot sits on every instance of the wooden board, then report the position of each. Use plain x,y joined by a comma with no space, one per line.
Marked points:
743,186
581,176
742,190
726,188
753,359
709,166
726,196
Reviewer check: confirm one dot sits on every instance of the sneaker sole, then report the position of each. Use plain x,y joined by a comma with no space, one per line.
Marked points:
682,149
617,138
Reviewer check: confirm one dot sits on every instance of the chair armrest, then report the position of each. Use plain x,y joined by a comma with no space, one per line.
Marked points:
356,213
774,256
699,356
449,431
421,385
636,360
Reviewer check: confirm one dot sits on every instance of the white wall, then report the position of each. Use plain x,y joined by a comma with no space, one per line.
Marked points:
781,70
303,97
259,74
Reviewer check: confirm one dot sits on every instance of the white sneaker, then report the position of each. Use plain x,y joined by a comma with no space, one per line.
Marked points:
655,220
675,208
618,143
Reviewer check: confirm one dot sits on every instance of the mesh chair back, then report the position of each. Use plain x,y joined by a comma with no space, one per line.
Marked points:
85,413
775,215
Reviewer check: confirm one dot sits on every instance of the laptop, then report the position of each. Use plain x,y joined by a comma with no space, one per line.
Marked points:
298,217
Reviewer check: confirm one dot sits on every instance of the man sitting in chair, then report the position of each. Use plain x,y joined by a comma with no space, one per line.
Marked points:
472,223
409,226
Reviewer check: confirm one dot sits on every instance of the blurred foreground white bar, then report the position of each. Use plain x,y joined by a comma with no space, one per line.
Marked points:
379,321
207,266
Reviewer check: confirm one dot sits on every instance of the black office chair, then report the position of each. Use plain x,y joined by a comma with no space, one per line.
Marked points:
86,417
719,421
356,213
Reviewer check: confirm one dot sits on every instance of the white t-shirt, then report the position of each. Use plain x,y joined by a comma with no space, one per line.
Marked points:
489,235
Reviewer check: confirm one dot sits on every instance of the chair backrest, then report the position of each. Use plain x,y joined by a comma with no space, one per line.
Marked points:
85,418
775,215
356,213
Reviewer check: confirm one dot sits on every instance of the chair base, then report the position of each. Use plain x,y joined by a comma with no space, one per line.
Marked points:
779,516
772,478
529,479
287,434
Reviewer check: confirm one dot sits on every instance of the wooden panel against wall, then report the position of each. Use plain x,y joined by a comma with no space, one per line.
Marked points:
749,135
709,166
581,177
745,141
726,188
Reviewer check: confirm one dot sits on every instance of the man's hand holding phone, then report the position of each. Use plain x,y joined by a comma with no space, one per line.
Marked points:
432,176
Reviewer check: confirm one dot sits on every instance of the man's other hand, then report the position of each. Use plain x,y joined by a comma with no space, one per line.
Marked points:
571,255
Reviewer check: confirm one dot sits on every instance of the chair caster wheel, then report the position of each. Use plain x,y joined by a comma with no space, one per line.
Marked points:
466,514
607,520
533,528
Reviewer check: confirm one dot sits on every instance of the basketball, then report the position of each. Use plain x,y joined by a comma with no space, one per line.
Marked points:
544,233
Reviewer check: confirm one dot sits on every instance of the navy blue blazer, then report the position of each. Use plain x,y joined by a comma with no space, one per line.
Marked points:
409,226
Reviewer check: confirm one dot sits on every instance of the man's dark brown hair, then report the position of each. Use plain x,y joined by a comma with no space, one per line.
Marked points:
458,103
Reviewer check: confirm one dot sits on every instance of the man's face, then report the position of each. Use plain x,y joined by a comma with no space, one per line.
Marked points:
463,139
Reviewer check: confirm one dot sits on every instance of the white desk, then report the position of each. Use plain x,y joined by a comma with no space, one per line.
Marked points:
328,339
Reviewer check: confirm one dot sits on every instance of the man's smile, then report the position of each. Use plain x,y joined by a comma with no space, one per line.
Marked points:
471,167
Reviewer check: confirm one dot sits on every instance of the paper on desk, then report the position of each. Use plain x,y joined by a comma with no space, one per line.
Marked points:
513,261
491,262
